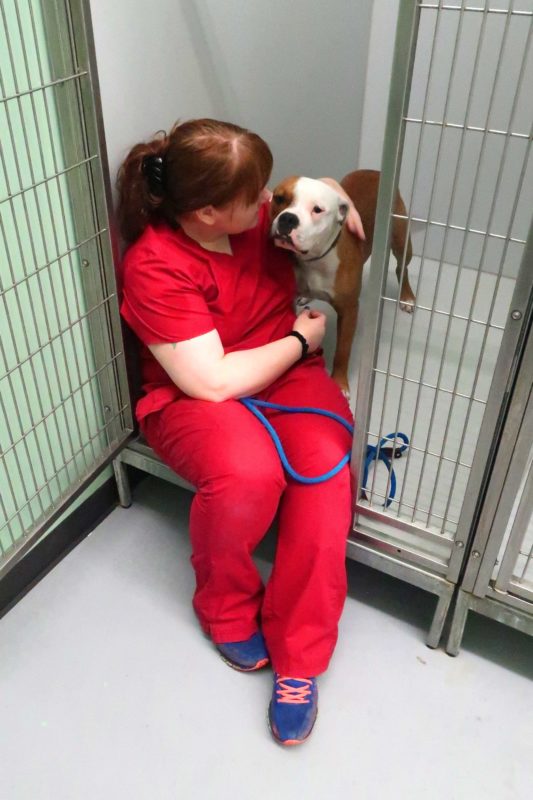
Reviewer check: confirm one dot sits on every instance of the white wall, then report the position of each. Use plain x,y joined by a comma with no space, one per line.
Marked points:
293,70
377,82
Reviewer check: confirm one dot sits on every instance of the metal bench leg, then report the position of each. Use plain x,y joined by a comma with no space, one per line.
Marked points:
460,613
123,484
439,618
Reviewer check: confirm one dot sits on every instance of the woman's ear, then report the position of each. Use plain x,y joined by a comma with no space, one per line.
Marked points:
206,215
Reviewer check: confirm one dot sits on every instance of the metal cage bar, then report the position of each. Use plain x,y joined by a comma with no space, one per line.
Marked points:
512,575
406,34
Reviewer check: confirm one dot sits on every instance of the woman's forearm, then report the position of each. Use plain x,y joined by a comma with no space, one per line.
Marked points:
201,369
249,371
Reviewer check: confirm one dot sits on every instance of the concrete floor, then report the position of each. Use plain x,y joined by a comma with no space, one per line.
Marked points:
109,690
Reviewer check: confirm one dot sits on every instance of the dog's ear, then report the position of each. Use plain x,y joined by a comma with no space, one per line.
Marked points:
342,211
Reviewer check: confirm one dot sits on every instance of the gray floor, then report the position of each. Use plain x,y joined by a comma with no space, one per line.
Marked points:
109,690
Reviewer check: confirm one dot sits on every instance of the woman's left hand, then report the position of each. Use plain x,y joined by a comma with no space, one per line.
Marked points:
353,220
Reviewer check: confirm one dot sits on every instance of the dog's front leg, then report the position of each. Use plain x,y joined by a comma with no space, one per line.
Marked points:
347,309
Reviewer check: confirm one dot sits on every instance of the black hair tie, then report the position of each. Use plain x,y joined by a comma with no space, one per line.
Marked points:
153,168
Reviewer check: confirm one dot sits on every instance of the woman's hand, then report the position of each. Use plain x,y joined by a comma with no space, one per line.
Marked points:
353,220
312,325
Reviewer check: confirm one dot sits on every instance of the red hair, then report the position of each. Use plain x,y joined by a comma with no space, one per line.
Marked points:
205,162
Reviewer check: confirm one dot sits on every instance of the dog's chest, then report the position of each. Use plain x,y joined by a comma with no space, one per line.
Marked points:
316,279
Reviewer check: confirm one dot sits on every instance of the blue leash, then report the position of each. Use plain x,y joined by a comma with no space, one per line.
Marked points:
253,405
372,455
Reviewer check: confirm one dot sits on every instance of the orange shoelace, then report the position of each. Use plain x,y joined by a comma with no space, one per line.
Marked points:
293,694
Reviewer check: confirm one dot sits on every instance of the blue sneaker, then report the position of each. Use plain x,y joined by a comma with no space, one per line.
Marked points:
245,656
293,709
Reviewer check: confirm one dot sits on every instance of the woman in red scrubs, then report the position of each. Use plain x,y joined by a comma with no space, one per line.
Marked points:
211,301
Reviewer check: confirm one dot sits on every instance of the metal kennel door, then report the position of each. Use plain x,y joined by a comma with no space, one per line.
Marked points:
64,401
457,145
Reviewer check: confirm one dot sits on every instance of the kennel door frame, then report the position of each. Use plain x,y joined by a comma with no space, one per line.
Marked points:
512,461
439,574
488,586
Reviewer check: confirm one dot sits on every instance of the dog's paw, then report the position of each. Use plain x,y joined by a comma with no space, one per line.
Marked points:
342,383
408,305
301,302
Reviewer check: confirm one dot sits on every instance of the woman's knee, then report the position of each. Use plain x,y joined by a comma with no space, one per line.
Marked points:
319,457
239,505
254,480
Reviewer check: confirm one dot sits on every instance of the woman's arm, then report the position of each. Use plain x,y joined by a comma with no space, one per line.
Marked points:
201,369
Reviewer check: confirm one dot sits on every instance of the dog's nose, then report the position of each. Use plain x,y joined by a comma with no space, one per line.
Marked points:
287,222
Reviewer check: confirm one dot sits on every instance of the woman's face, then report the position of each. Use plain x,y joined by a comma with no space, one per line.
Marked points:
239,216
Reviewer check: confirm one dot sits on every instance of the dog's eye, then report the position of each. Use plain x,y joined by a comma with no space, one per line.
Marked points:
317,210
278,198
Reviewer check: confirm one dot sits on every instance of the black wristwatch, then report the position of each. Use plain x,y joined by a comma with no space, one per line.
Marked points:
303,341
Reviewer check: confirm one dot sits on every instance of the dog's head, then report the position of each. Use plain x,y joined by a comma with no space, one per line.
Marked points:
306,214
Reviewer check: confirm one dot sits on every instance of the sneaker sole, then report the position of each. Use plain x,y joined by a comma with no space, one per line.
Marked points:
260,664
289,742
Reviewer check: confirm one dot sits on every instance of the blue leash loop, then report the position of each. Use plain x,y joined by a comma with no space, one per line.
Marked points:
253,405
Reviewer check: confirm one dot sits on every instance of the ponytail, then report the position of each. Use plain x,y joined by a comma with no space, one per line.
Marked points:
140,187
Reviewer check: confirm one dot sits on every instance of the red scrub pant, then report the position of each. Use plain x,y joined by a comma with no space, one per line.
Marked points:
227,454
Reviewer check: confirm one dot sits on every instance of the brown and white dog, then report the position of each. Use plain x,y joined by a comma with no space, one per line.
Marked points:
308,218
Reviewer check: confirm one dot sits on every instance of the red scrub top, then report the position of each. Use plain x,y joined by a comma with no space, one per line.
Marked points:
174,289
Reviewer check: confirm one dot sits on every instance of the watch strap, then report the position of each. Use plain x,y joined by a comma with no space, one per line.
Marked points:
303,341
